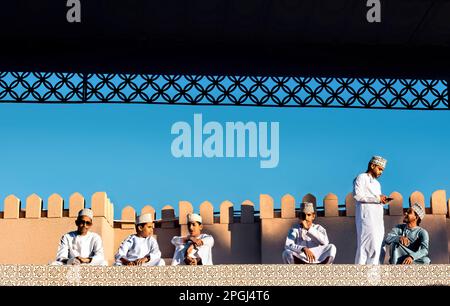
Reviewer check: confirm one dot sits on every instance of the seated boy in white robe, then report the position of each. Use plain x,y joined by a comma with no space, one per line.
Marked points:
81,246
140,249
308,242
194,249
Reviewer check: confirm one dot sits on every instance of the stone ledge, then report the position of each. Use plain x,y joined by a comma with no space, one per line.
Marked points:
226,275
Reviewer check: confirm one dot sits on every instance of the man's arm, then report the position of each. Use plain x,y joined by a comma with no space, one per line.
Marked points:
98,252
423,248
319,233
360,192
188,260
290,241
155,253
62,254
393,236
179,240
121,255
207,241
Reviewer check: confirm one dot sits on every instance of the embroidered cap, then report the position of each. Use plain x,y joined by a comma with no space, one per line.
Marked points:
379,161
419,210
307,207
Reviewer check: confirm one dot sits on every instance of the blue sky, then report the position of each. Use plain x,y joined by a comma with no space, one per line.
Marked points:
125,150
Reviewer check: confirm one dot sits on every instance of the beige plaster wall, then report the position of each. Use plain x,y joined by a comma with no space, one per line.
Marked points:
30,235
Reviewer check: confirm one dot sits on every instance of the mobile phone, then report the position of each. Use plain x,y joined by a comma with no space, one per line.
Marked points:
389,199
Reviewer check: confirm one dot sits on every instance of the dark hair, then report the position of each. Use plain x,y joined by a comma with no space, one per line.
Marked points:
199,223
140,224
303,215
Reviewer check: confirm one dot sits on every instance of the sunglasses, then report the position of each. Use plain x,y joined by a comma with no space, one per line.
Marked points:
82,222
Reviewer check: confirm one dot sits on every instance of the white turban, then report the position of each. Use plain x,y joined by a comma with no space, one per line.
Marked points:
307,208
145,218
379,161
194,218
419,210
86,212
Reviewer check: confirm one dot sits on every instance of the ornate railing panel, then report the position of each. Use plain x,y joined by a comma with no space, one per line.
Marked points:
47,87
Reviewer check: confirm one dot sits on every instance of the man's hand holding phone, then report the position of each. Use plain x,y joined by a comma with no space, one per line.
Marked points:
384,199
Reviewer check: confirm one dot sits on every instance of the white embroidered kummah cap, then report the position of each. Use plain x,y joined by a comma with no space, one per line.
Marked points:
86,212
145,218
194,218
419,210
307,207
379,161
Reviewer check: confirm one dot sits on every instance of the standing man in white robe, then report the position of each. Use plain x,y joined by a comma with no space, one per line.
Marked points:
140,249
81,246
369,213
308,242
195,248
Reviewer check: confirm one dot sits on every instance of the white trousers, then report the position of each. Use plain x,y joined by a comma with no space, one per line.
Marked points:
370,234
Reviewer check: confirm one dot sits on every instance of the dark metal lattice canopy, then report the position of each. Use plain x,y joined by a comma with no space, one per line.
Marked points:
307,53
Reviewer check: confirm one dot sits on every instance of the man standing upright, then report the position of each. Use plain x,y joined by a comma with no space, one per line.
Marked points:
369,213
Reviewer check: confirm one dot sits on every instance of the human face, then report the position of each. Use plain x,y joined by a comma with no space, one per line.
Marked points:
309,217
145,230
376,170
195,228
83,223
410,216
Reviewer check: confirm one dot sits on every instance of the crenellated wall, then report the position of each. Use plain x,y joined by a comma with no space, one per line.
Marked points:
30,235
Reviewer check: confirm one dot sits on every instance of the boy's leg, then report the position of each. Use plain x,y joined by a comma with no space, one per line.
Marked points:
325,254
299,261
159,262
288,257
423,261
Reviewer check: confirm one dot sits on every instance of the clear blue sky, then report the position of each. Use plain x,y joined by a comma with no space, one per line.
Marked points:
125,151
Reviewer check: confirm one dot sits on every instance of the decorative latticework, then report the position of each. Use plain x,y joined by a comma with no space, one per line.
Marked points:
47,87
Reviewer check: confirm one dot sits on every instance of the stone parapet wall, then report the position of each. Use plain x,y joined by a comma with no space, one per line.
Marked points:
30,235
227,275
